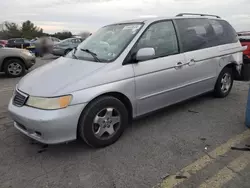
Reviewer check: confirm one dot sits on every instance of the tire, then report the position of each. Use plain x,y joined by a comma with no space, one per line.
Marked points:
14,68
97,110
67,51
222,90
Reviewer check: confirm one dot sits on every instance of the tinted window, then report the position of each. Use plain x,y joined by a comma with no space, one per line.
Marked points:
78,40
196,34
162,37
75,41
19,41
11,41
66,41
224,32
204,33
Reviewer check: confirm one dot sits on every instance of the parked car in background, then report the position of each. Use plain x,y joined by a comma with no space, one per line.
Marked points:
245,41
18,43
1,46
14,62
65,46
3,42
123,71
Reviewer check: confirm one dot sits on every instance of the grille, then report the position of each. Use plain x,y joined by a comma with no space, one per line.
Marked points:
19,99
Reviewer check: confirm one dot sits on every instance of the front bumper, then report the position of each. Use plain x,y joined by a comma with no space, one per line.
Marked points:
47,126
29,62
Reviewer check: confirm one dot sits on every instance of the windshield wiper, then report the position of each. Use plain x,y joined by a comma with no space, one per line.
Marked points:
73,53
92,53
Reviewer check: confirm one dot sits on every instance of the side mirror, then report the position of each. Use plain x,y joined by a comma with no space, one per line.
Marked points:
145,54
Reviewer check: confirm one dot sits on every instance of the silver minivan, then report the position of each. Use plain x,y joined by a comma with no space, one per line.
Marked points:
123,71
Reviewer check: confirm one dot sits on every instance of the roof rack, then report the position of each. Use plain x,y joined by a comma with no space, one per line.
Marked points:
193,14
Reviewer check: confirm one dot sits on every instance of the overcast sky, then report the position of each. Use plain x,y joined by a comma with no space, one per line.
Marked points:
79,15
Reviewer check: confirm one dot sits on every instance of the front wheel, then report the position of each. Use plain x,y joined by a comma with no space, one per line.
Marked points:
224,83
14,68
103,122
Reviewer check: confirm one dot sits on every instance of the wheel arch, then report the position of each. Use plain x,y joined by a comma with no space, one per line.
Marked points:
233,66
11,57
121,97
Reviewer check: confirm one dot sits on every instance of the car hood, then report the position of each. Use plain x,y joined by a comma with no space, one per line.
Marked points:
50,79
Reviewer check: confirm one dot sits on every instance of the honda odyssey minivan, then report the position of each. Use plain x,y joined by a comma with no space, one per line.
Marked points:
123,71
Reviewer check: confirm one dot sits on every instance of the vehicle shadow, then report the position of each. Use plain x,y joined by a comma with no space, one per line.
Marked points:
49,57
2,75
172,109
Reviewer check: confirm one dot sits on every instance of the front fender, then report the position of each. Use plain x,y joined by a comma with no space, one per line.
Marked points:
125,87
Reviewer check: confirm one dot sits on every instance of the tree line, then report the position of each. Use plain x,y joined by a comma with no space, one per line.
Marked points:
29,30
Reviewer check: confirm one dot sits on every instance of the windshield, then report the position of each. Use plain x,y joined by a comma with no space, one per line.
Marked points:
244,37
65,41
107,43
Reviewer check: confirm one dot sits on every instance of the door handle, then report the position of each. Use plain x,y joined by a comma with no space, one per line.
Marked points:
191,62
178,65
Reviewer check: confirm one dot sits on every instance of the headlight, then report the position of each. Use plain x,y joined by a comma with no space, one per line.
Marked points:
26,52
49,103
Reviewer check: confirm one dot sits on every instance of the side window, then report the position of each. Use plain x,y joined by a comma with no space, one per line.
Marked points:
78,40
19,41
11,41
162,37
217,27
196,34
224,32
74,41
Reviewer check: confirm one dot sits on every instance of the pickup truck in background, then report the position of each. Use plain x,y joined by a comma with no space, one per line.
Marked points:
245,41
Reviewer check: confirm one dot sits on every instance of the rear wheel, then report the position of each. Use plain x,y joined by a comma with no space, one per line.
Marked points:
14,68
224,83
103,122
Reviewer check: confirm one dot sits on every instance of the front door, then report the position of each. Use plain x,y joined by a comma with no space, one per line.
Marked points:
161,80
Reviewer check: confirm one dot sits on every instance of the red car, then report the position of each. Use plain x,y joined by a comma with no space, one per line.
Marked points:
245,41
3,42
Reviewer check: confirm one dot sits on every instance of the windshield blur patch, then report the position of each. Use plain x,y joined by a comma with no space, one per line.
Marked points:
108,42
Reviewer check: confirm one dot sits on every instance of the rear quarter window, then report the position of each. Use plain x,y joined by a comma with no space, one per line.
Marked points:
224,32
203,33
196,34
